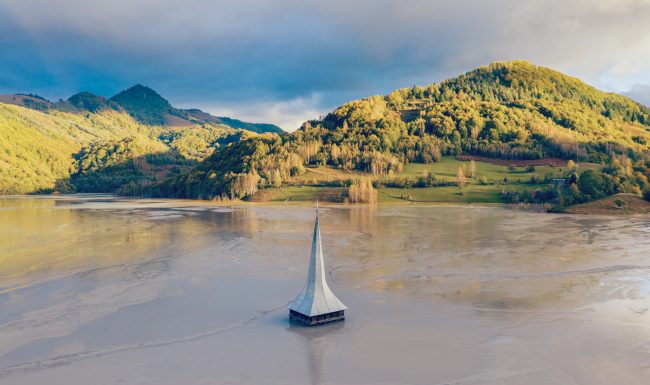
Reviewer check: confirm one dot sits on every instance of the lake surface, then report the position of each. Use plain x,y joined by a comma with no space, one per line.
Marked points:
97,290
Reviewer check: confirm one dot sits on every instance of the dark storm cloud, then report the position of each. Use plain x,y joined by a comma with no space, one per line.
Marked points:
288,60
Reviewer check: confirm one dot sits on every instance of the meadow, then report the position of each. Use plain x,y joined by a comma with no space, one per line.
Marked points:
328,183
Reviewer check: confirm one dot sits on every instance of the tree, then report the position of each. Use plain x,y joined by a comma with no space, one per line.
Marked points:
362,191
277,178
472,169
460,179
593,184
571,165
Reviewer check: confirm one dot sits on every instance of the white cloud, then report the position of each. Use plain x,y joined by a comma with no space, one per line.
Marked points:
288,114
640,93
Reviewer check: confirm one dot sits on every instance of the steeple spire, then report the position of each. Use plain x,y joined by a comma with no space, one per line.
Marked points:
316,303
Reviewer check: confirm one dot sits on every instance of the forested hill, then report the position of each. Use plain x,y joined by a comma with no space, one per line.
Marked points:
507,110
138,143
89,143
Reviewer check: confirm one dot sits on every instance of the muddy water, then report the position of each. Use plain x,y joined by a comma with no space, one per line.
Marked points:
95,290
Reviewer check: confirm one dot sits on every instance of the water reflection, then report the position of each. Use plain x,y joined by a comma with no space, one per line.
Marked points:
317,342
462,292
53,237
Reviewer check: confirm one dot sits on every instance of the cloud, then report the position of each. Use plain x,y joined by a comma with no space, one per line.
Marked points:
640,93
288,114
276,55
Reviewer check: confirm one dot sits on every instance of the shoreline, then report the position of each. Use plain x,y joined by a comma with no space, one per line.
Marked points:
591,209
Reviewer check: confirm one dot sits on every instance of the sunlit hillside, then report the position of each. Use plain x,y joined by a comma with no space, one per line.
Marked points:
39,150
92,144
509,111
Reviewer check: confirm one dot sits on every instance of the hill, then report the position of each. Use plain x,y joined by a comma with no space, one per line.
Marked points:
148,107
619,204
259,128
92,144
37,148
512,110
87,101
504,132
143,104
34,102
507,110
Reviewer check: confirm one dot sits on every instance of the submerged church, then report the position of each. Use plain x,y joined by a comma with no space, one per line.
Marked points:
316,304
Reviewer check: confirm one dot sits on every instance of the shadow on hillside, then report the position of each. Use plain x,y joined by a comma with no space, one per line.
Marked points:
133,176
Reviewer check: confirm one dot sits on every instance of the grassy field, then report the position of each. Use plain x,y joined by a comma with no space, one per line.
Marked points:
308,186
325,174
446,170
300,193
471,193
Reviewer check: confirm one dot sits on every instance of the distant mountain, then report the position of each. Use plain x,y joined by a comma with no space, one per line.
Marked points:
34,102
234,123
148,107
143,103
92,144
91,102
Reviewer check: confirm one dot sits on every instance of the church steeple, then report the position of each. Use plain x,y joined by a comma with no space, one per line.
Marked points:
316,303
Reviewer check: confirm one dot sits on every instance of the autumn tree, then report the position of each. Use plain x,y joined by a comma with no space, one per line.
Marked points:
472,169
362,191
571,165
460,179
277,178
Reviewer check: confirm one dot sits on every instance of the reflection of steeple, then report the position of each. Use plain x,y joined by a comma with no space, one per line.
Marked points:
316,303
316,341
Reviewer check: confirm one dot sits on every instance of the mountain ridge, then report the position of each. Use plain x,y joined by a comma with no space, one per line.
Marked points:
93,144
141,102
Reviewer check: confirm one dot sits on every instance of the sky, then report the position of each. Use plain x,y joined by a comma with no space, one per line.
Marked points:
287,61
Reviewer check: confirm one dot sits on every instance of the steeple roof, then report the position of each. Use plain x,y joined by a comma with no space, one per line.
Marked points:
316,298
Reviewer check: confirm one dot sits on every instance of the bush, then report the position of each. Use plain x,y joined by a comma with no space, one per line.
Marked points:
646,195
596,185
534,179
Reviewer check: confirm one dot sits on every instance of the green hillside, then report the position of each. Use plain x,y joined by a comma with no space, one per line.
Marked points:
93,144
37,149
502,132
513,111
